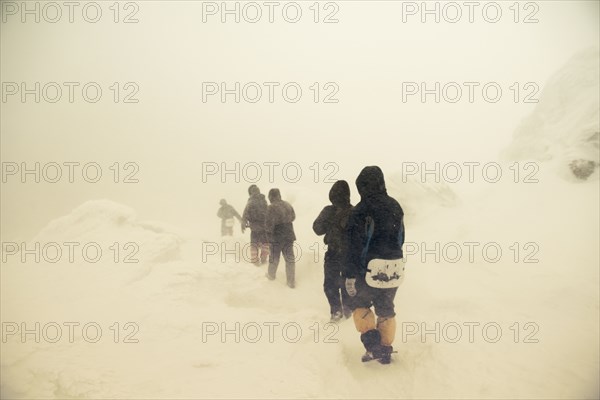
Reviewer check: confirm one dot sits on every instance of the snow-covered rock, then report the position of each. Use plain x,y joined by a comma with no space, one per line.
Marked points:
564,126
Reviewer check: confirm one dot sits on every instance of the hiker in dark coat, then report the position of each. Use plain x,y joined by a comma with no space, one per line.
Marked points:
332,222
375,235
281,236
227,213
255,218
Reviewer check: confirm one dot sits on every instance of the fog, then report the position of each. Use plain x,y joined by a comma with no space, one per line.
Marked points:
170,132
123,125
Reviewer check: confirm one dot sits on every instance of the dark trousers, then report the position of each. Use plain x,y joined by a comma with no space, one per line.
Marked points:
288,255
381,299
334,285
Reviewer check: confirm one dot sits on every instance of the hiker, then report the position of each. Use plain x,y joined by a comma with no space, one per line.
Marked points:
281,236
255,218
227,213
374,268
332,222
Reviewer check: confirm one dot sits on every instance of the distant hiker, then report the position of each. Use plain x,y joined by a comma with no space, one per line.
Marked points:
227,213
332,222
255,218
373,269
281,236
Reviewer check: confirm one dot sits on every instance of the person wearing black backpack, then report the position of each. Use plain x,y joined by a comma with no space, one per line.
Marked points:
374,267
332,222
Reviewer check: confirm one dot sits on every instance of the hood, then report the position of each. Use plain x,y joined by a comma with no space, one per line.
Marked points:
339,195
253,189
370,182
274,195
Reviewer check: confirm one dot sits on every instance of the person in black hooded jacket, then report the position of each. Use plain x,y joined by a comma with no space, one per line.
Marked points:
375,231
281,236
332,222
255,218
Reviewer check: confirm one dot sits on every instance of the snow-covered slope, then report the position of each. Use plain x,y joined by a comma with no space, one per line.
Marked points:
173,315
500,300
564,126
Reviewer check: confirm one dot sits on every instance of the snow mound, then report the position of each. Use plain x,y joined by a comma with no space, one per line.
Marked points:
564,126
105,222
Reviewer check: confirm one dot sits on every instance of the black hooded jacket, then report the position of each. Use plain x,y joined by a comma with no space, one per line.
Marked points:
376,224
333,219
280,215
255,213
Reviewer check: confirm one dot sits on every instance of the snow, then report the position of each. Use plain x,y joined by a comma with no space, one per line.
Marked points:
174,297
168,304
565,123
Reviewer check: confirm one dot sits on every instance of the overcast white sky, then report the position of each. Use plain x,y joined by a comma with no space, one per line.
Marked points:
171,132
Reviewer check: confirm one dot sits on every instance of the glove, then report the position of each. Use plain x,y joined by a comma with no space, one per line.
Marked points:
351,286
